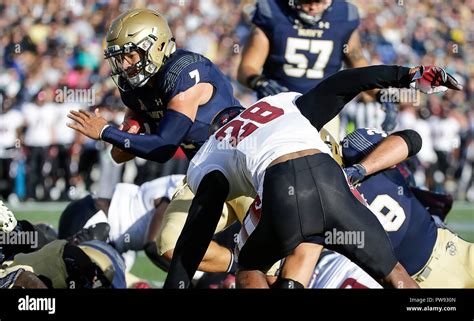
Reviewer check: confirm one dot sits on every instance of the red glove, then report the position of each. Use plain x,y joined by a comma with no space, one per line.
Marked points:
432,79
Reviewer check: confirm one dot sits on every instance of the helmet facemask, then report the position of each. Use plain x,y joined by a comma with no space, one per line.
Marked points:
304,16
138,73
139,31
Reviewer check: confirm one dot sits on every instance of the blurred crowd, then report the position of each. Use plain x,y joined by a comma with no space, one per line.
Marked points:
51,61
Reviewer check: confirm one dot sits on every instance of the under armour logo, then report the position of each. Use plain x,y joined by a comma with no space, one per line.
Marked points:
451,248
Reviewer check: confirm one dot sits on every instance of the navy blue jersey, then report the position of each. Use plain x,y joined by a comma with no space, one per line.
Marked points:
180,72
409,225
302,55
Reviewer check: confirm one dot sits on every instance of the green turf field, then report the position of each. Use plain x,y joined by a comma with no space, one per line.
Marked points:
460,220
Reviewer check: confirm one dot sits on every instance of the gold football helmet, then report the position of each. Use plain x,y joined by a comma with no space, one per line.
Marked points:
333,145
143,32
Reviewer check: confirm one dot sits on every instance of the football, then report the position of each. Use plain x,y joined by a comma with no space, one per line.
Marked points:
144,127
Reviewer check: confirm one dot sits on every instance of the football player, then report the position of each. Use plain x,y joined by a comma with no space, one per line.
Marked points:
180,91
61,265
225,171
133,215
440,259
276,144
334,270
296,44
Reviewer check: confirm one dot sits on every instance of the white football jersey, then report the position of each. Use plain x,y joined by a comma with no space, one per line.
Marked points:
335,271
131,210
244,147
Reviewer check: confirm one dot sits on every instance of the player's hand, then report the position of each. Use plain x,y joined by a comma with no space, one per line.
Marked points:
432,79
355,173
265,87
125,126
7,219
87,123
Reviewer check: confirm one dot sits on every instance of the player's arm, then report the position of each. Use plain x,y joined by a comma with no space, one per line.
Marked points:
391,151
198,230
354,57
333,93
253,56
160,146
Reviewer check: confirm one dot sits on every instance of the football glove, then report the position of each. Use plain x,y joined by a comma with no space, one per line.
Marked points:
391,114
432,79
7,219
265,87
355,173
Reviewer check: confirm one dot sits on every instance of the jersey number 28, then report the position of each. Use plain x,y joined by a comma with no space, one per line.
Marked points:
260,113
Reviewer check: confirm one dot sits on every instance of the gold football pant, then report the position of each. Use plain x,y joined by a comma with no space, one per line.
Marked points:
451,264
177,212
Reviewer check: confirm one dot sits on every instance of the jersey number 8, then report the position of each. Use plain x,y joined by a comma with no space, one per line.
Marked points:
389,213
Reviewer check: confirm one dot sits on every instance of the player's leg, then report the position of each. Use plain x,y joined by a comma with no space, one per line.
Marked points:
272,230
154,228
363,239
217,257
299,265
156,221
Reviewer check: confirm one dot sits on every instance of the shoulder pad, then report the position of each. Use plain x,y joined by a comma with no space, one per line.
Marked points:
265,9
176,67
352,12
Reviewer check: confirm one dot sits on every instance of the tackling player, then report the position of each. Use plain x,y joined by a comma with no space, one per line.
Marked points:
301,193
220,170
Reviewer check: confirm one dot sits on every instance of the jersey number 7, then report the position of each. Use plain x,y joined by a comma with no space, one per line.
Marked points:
260,113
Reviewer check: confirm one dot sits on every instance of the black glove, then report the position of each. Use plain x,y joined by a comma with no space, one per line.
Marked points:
265,87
